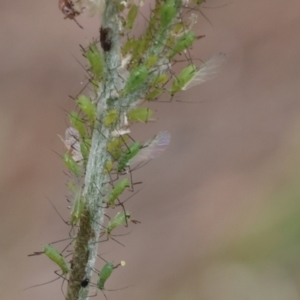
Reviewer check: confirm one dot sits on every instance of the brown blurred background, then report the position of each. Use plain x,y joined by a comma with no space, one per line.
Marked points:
220,210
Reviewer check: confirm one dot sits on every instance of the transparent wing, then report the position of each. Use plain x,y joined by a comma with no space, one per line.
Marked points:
153,148
72,144
207,71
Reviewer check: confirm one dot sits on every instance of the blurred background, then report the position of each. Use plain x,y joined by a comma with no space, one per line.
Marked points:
220,209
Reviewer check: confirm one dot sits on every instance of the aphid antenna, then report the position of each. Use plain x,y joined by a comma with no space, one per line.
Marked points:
188,8
60,216
87,70
41,284
195,102
62,240
110,237
66,222
94,41
219,6
67,174
184,60
57,153
102,290
128,197
81,90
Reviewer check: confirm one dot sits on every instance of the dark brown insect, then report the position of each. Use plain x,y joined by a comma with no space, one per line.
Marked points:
85,282
105,39
66,6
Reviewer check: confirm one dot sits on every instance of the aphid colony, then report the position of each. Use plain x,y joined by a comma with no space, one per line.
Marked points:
125,156
142,74
147,60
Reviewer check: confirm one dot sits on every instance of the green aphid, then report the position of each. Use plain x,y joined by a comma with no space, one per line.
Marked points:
183,42
131,16
111,117
85,146
105,274
151,61
154,94
182,79
117,190
78,123
56,257
192,76
77,208
114,147
160,79
108,166
168,13
71,164
178,28
95,59
141,114
130,153
139,49
129,46
137,78
87,107
120,219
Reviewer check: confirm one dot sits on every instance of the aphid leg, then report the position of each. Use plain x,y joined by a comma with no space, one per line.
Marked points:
122,203
66,222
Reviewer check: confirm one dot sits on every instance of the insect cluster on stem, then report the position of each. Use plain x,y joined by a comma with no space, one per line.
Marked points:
104,119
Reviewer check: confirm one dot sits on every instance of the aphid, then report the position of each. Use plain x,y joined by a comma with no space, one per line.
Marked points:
53,254
95,59
67,8
117,190
160,79
85,148
87,107
182,43
122,127
167,14
141,114
77,208
129,154
131,16
120,219
77,122
154,94
111,117
71,164
105,39
114,147
138,153
137,77
191,76
106,272
57,258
